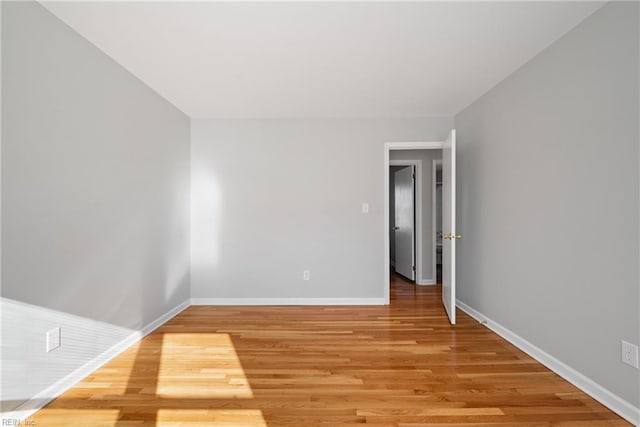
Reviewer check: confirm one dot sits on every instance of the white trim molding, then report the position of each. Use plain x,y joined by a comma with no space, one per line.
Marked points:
612,401
417,145
288,301
45,396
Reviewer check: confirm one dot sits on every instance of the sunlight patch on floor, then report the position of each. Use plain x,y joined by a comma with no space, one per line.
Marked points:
201,366
210,417
73,416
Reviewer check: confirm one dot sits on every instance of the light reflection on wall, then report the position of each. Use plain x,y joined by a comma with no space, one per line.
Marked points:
206,199
28,371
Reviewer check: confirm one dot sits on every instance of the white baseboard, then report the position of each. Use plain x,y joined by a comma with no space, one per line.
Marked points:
163,319
426,282
38,401
614,402
288,301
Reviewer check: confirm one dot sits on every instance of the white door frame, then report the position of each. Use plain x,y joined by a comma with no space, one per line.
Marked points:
417,220
433,218
388,146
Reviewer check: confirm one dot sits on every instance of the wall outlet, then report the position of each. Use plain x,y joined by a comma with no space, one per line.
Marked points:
53,339
629,353
306,275
365,208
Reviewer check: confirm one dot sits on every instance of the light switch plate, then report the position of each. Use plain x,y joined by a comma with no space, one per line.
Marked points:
365,208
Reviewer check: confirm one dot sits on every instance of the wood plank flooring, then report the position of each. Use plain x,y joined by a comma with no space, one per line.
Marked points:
398,365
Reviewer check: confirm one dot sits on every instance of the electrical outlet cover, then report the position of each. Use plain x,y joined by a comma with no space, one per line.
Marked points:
629,354
53,339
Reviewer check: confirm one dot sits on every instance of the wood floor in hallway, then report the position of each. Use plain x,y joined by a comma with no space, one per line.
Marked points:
396,365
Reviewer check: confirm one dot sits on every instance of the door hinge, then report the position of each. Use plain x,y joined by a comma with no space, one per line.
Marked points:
413,267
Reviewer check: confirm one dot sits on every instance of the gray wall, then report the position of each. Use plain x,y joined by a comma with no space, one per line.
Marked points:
95,188
427,157
548,199
272,198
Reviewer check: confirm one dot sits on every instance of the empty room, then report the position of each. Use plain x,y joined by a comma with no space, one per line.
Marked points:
316,213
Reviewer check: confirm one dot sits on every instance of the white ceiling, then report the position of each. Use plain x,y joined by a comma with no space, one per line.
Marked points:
321,59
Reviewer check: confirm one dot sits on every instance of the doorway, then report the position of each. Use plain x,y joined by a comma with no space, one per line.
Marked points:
423,249
426,252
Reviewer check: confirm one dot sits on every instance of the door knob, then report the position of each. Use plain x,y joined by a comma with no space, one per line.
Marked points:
396,228
448,236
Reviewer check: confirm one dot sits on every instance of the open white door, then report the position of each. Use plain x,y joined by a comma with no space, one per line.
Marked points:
404,221
449,226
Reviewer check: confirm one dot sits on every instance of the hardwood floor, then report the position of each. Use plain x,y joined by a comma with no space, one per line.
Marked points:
397,365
